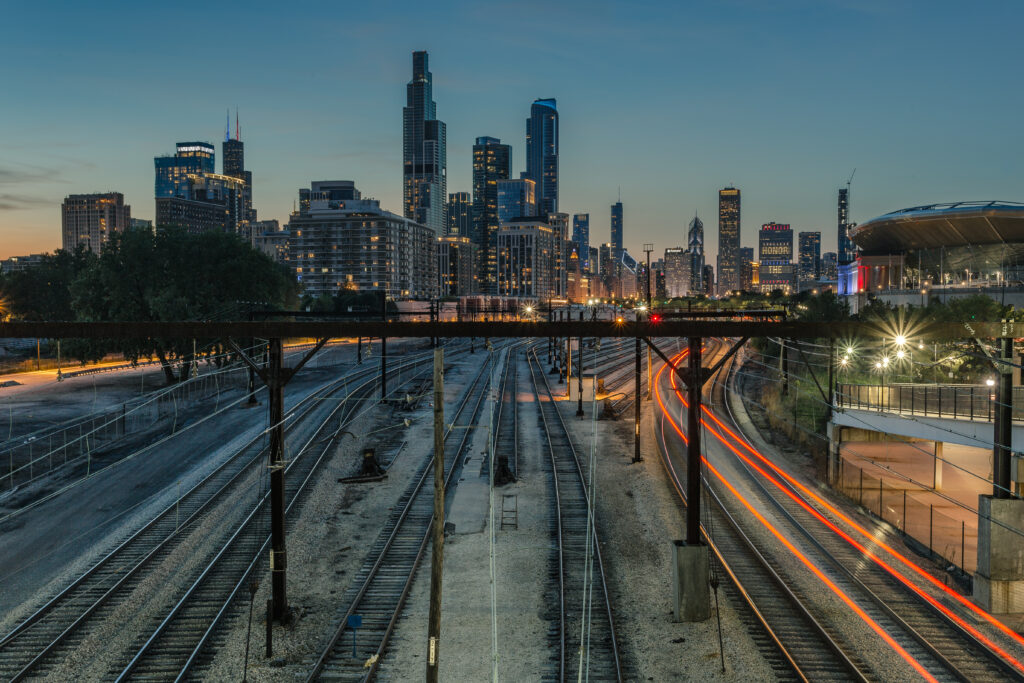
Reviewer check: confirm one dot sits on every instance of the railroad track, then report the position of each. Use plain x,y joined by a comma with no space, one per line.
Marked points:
941,644
797,640
584,637
178,642
507,421
383,582
66,619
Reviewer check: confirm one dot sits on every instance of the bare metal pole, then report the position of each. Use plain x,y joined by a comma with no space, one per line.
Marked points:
437,559
636,407
579,373
278,556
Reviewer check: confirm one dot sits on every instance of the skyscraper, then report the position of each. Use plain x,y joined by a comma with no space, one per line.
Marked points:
516,198
189,194
845,251
677,272
728,239
172,171
809,255
460,214
492,161
233,153
775,253
695,245
746,269
829,267
581,238
424,151
542,153
90,219
617,229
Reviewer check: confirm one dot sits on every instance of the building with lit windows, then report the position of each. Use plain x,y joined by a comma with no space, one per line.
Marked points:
492,161
775,254
424,151
616,229
340,245
581,238
729,261
846,252
456,265
829,266
526,259
808,259
559,222
542,153
172,172
677,272
517,198
460,213
748,273
695,248
90,219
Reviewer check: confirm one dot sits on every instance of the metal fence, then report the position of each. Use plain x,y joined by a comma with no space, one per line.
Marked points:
30,456
907,510
957,401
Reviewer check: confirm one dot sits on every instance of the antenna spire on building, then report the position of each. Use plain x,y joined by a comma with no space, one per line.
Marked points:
238,129
227,124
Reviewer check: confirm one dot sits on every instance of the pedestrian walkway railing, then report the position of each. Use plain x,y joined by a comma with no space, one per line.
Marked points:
955,401
914,513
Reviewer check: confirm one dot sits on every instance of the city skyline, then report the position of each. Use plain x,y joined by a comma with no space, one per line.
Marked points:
789,154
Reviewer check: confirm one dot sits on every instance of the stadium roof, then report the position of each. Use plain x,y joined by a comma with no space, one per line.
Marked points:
959,224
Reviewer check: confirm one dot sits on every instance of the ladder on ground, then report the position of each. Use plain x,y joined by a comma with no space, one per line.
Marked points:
509,511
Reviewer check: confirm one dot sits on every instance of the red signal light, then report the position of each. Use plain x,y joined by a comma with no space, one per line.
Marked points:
655,318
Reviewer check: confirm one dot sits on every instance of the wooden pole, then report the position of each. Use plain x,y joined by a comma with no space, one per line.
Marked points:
437,560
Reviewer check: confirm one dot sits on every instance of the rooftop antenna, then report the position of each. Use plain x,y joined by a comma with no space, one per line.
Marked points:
620,193
238,129
227,124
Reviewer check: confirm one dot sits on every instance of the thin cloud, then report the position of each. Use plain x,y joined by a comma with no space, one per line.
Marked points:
18,202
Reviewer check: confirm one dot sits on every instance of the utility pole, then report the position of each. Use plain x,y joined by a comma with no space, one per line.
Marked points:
383,368
278,556
636,405
579,373
1001,484
693,390
648,248
437,559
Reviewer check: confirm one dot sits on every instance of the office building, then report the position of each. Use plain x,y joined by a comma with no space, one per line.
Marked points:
708,280
456,267
233,150
91,219
16,264
460,214
660,291
526,263
542,153
559,223
616,229
775,255
517,198
269,238
746,269
140,224
677,272
172,172
581,238
695,247
354,245
846,251
829,266
808,259
729,263
207,202
492,161
593,261
424,151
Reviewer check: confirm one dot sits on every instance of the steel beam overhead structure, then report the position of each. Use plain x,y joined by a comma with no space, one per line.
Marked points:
565,328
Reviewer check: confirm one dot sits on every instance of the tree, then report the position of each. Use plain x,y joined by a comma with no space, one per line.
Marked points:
40,293
170,275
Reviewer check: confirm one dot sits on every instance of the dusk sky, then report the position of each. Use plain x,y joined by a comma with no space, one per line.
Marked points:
668,101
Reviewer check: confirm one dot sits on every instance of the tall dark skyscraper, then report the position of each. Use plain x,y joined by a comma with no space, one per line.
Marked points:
542,153
775,254
617,230
845,251
695,245
809,258
424,151
492,161
233,155
581,237
729,264
460,214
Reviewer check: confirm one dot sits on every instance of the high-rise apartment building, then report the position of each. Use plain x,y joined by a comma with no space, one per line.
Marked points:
775,254
354,245
616,229
581,238
695,247
526,259
809,259
456,268
845,252
172,172
559,222
542,153
492,161
517,198
190,195
460,214
91,219
746,269
729,239
424,151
